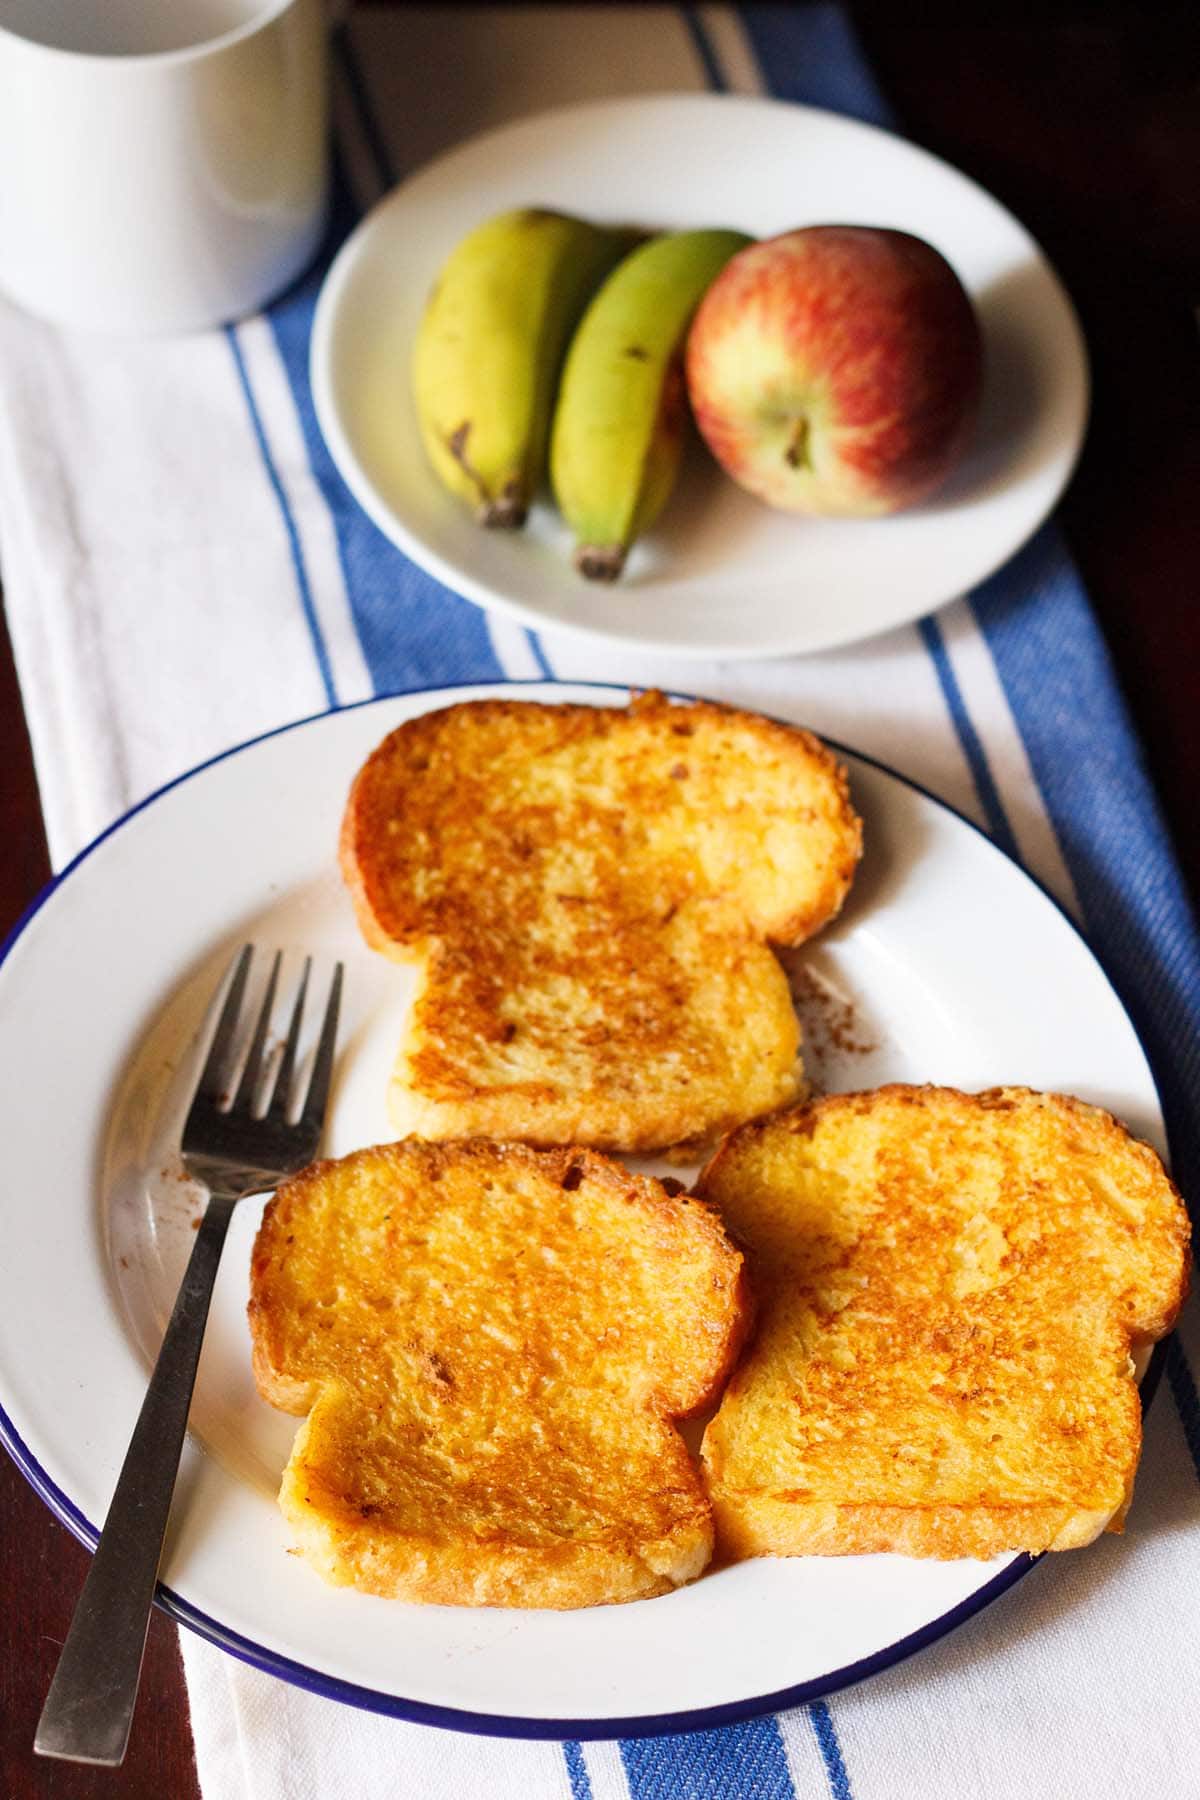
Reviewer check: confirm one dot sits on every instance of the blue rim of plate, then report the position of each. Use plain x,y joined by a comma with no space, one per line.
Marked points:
503,1725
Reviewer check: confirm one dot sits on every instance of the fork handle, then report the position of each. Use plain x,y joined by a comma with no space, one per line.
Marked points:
89,1707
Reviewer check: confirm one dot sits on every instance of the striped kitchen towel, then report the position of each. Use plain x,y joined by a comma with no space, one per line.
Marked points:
184,568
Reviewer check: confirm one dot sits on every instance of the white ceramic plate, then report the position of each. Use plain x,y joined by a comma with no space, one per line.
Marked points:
948,965
721,575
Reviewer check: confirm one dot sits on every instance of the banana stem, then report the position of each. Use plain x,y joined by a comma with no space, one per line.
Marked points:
506,513
600,562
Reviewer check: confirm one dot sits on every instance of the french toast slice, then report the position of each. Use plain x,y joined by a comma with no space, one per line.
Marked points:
591,894
950,1288
492,1345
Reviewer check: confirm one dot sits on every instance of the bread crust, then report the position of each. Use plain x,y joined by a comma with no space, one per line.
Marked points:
952,1290
493,1345
751,1524
591,895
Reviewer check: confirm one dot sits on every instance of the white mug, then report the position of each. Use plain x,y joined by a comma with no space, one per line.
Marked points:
163,163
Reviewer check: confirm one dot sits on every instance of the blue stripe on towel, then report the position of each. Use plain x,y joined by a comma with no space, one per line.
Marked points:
702,44
968,737
810,54
831,1751
1056,673
414,632
289,524
577,1775
539,653
748,1761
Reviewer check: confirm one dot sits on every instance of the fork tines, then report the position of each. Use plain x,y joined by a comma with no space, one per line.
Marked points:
215,1082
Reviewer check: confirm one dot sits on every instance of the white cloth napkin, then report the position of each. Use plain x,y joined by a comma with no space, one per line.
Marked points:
183,569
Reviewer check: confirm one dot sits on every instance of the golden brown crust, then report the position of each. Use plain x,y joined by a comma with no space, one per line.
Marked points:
590,893
764,1525
492,1345
951,1290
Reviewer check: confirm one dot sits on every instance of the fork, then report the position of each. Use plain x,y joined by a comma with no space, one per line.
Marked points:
233,1151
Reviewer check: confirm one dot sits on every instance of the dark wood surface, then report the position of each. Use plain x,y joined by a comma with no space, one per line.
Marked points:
41,1566
1087,123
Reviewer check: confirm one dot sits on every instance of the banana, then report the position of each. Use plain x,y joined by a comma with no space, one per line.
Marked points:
617,434
490,346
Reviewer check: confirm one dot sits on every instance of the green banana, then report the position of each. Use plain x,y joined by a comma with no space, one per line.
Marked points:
489,350
617,435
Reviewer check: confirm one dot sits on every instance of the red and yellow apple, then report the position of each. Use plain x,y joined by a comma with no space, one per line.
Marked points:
836,369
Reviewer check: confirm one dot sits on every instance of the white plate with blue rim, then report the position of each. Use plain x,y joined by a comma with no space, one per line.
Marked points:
720,575
104,993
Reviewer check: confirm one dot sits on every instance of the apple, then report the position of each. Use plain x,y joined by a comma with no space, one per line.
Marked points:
836,369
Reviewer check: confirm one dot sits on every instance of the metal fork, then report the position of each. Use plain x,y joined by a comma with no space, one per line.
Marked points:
89,1707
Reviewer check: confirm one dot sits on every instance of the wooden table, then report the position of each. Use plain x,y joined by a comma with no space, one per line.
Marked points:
1087,126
